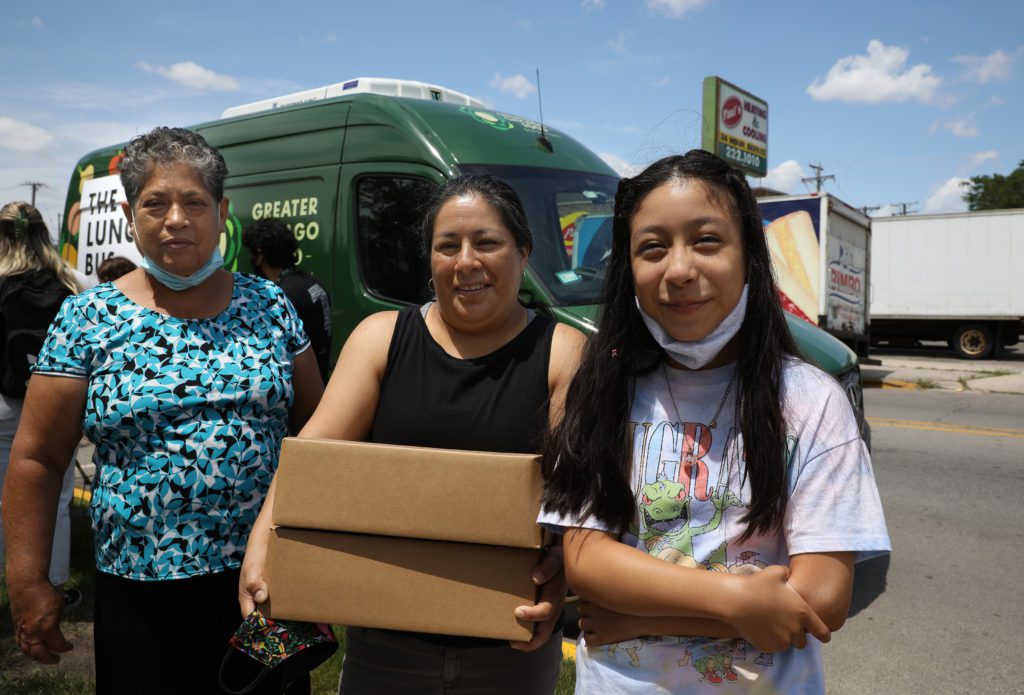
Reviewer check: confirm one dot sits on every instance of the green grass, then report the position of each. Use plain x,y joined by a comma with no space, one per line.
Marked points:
46,681
925,384
16,676
324,679
566,678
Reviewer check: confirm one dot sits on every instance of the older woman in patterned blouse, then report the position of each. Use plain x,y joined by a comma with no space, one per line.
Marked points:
186,377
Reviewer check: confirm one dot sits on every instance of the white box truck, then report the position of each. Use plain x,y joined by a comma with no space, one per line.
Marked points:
821,253
954,277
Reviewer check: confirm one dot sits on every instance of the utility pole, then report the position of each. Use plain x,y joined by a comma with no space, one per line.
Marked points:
904,208
817,178
35,185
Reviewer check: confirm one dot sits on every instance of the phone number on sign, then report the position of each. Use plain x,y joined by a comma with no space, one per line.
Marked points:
742,157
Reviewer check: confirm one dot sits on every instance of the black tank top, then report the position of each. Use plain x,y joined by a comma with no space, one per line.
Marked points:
498,402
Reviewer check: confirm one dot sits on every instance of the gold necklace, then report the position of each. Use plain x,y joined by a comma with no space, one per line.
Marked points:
714,420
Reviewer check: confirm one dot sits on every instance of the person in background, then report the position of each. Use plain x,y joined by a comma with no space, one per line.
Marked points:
472,370
186,377
113,268
34,281
713,487
274,252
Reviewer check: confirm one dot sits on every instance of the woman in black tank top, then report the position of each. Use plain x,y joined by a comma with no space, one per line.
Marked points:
473,370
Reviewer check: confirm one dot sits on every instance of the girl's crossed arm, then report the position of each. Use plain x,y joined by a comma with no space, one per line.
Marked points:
637,593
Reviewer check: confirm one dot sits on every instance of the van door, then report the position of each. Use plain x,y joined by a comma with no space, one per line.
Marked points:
379,263
304,199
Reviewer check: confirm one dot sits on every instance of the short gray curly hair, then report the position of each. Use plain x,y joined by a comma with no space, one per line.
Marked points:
164,145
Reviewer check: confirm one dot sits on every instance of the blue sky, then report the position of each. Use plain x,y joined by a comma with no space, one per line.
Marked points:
898,100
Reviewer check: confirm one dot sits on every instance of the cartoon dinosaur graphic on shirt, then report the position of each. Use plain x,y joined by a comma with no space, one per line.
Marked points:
664,501
712,665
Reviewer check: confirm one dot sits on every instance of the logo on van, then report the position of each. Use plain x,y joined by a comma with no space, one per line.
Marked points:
487,118
231,239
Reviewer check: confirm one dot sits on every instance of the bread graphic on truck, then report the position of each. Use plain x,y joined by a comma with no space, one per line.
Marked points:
794,249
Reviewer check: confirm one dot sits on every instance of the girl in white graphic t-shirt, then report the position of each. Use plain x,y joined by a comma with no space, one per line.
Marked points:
695,438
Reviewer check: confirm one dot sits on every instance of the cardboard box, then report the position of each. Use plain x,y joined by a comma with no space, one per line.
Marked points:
413,492
400,583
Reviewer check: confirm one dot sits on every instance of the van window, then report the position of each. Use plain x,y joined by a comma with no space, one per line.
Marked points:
390,252
570,215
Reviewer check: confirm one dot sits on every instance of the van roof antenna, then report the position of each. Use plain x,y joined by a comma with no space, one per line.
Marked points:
543,140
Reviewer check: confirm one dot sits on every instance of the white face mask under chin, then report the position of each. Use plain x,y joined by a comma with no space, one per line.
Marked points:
697,353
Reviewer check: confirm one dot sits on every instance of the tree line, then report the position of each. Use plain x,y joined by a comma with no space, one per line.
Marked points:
996,192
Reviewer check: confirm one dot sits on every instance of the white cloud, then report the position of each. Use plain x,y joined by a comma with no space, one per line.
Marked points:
785,177
674,8
979,158
593,5
618,44
515,85
189,74
947,197
960,127
23,137
663,82
620,165
998,65
877,77
34,22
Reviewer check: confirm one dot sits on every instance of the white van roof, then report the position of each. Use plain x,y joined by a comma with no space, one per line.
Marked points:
360,85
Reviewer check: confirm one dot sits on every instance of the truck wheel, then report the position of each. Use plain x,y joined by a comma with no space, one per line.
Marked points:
973,341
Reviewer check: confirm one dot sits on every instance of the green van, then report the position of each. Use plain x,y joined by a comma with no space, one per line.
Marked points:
350,166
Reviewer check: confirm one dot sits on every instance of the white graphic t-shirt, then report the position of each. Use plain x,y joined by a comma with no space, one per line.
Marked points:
691,490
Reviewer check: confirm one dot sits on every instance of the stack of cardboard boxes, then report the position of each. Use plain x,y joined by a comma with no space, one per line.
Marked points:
406,538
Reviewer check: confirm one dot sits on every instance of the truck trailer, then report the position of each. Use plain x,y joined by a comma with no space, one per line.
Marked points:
952,277
821,254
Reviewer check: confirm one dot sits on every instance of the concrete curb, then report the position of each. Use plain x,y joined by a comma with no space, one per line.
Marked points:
891,384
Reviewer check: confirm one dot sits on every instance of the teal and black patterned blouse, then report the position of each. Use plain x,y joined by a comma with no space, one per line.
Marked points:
187,416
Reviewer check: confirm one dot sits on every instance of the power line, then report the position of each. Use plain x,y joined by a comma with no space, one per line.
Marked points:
35,185
904,208
817,178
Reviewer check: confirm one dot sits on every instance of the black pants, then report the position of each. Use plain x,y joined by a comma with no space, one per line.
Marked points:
383,662
167,637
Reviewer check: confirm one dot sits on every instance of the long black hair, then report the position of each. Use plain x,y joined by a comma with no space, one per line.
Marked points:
587,457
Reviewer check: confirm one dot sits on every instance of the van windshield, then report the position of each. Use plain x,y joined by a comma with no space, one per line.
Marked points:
570,215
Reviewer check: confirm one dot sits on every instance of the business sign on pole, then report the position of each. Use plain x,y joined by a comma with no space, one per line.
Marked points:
735,126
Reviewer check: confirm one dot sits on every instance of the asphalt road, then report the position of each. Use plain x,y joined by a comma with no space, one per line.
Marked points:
944,614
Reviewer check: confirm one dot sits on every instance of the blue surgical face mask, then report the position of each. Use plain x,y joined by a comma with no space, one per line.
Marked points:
697,353
179,283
